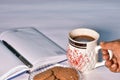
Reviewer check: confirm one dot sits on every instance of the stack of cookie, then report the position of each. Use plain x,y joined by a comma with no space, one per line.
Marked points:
58,73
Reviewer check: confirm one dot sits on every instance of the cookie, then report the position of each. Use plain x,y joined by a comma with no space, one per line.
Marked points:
51,78
42,76
64,73
58,73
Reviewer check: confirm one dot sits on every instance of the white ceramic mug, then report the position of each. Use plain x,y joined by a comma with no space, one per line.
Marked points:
83,53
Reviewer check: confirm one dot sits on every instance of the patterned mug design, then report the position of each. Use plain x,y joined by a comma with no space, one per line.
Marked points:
78,58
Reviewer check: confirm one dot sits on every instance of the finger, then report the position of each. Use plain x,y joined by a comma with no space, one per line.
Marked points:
114,60
106,45
108,63
113,67
104,51
118,70
105,56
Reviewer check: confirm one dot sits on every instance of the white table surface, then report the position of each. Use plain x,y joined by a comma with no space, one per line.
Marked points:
56,18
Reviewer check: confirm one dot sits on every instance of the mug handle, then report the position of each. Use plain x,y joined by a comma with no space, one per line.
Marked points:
98,64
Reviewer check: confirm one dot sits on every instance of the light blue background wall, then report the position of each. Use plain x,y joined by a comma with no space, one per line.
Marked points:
56,18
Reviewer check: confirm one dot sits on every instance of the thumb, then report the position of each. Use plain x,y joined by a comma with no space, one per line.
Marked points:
106,45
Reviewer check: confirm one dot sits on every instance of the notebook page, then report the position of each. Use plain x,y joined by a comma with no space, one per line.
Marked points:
8,62
32,45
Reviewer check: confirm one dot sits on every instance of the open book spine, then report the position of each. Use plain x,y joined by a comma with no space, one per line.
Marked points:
14,72
48,62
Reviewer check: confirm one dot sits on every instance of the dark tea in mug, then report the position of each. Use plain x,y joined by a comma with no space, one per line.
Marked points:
83,38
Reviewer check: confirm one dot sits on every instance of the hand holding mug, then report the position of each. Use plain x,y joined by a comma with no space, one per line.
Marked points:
114,46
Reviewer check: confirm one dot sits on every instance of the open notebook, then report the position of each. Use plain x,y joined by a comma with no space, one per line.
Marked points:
26,49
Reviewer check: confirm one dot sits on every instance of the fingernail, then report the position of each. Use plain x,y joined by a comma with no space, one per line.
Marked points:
114,65
103,52
101,43
118,70
104,57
